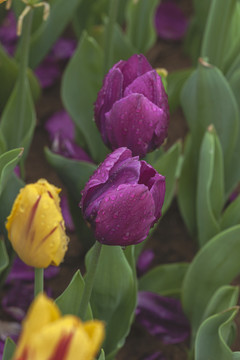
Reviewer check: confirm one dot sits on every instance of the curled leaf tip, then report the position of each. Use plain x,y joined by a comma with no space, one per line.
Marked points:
204,62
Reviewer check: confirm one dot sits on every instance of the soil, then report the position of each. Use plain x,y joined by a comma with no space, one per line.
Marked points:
171,242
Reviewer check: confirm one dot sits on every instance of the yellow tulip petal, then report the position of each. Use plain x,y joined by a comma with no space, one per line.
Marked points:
47,336
36,227
42,312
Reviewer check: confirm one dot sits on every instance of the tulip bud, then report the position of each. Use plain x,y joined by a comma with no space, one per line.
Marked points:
123,199
132,107
36,227
47,335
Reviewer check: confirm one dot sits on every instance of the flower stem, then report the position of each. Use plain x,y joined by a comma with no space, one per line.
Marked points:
108,51
38,281
90,276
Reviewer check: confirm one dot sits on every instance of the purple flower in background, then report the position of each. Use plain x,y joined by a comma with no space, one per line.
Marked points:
132,107
61,130
49,70
19,288
170,22
144,262
123,199
8,328
162,317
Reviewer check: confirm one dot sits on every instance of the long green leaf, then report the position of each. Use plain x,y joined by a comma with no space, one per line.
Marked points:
9,349
3,256
50,30
74,174
8,161
81,83
140,25
22,134
113,297
164,280
69,301
212,340
210,187
215,265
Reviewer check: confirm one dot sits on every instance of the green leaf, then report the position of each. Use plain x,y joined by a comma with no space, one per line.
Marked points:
9,349
215,265
122,47
231,215
223,298
102,355
3,256
20,101
8,75
167,165
208,99
113,297
47,34
165,280
81,82
212,341
140,24
223,24
69,301
175,82
8,161
187,186
210,187
74,174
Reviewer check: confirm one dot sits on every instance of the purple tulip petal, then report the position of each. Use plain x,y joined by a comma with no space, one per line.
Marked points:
162,317
60,123
63,49
111,91
126,173
134,67
8,32
125,215
47,72
118,199
144,262
66,213
149,85
170,22
132,122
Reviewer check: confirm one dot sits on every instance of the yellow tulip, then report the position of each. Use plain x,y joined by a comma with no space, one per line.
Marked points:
48,336
1,1
36,227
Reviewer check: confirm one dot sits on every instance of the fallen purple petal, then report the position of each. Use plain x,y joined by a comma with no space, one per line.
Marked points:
162,317
21,271
144,262
170,22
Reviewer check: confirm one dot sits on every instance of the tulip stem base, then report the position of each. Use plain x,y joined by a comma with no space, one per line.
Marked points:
38,281
89,279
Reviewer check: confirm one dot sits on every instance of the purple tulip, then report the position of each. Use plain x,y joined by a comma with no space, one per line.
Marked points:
145,261
61,130
170,22
132,107
123,199
162,317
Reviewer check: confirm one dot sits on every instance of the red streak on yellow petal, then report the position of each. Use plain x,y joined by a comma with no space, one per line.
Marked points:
62,348
32,215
